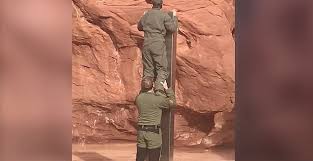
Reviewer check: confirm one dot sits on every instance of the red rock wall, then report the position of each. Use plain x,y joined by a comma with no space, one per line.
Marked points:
107,70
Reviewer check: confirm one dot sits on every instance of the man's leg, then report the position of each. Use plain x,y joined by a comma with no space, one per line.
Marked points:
141,154
161,64
154,143
147,61
141,146
154,154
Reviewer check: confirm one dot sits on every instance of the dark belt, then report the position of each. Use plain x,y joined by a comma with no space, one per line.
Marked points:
150,128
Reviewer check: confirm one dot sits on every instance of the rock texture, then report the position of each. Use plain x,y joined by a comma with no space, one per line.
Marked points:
107,70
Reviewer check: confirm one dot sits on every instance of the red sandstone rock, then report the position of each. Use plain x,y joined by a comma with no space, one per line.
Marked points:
107,69
149,1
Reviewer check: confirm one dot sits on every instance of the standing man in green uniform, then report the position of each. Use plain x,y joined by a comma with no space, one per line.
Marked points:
150,106
155,23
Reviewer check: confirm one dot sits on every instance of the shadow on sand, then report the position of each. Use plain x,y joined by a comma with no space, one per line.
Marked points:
227,151
91,156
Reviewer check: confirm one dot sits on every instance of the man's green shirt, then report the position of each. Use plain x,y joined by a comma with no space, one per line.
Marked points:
150,106
155,23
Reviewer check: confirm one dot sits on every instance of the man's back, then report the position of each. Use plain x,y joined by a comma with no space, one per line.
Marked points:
155,23
150,107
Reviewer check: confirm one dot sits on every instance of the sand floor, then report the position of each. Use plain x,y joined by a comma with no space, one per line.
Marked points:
127,152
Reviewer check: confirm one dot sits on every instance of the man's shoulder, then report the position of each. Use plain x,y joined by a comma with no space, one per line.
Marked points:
160,97
158,12
165,13
144,95
139,96
149,96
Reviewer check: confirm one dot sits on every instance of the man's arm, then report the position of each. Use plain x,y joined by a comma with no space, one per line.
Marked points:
135,102
139,25
169,101
171,97
170,23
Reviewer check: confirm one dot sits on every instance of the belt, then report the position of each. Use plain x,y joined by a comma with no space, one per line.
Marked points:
150,128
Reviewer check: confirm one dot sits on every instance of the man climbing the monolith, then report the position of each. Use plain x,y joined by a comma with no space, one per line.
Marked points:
155,23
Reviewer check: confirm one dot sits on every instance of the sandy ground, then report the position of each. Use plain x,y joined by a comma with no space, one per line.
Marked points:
127,152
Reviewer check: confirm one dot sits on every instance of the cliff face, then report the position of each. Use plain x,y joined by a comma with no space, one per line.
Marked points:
107,70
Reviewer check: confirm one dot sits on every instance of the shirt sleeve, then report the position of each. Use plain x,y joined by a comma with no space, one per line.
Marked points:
170,100
139,25
135,102
170,23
